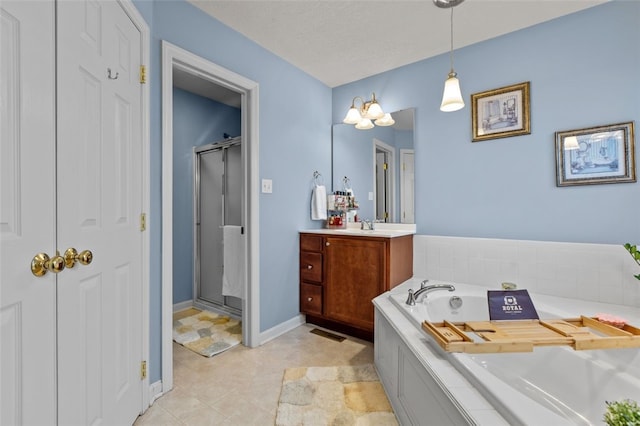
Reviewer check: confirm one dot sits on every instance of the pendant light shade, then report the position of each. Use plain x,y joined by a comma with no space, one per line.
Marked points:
452,96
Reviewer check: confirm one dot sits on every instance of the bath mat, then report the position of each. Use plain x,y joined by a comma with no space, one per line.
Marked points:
206,333
346,395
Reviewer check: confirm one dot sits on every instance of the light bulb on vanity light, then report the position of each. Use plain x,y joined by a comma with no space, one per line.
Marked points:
364,124
386,120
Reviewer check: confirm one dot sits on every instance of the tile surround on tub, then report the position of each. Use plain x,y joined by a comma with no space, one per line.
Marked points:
592,272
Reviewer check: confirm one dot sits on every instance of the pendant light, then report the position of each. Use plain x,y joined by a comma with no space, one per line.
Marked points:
452,96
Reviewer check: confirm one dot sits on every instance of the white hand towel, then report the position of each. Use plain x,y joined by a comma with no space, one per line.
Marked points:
319,203
233,261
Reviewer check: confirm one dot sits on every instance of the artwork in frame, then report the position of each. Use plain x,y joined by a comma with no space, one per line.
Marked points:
603,154
501,113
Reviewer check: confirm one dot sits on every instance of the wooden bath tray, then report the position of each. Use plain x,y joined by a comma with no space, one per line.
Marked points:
523,335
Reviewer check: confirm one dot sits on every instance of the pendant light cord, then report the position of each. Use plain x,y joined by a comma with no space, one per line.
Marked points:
451,50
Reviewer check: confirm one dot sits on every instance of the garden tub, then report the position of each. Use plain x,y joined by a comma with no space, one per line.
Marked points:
552,384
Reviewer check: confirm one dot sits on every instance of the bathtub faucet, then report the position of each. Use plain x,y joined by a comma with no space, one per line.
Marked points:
424,288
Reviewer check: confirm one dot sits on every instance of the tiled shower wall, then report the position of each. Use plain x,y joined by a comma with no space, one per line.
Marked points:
593,272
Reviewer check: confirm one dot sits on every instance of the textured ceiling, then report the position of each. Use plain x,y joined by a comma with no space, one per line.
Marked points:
340,41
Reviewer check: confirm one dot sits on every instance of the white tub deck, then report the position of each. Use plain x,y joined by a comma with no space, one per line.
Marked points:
552,385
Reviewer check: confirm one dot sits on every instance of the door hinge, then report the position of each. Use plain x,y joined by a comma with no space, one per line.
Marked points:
385,166
386,215
143,222
143,370
143,74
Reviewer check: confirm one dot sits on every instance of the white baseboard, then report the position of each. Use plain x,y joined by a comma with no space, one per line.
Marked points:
281,328
155,390
181,306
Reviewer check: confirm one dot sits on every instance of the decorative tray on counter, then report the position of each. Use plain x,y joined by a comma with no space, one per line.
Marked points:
523,335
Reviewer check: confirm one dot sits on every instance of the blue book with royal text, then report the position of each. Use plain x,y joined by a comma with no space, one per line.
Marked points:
511,305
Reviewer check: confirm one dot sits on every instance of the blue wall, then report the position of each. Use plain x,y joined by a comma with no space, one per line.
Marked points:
196,121
584,71
294,142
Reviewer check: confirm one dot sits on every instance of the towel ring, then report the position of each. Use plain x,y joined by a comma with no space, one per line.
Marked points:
346,183
317,178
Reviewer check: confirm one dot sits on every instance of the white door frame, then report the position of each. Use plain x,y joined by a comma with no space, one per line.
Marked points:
141,25
403,188
175,56
379,145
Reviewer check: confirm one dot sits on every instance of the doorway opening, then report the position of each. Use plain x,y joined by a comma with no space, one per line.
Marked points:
175,58
384,182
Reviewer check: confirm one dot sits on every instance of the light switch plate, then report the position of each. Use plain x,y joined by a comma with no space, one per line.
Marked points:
267,186
371,196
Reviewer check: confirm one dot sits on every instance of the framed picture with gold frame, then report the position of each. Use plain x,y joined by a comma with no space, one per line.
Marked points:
603,154
501,113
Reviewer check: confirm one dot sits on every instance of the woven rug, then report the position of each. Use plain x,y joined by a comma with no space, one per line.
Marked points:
204,332
349,395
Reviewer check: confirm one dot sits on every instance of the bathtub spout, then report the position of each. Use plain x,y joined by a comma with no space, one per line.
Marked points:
424,288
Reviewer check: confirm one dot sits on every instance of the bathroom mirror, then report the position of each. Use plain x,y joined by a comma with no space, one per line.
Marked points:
384,193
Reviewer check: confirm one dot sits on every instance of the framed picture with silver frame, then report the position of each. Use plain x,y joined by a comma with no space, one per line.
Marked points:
501,113
596,155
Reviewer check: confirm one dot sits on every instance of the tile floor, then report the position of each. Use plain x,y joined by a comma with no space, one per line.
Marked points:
242,386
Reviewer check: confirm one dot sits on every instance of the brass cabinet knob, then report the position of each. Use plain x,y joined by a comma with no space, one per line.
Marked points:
309,299
327,244
71,256
309,266
42,263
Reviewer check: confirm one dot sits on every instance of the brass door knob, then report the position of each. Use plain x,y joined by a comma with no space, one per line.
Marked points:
71,256
42,263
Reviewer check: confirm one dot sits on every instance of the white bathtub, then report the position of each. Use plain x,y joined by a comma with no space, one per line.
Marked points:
551,385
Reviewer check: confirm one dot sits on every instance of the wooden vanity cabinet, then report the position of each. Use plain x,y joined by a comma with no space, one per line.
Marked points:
341,274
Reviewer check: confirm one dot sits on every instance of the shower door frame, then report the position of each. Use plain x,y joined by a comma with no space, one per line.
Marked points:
197,151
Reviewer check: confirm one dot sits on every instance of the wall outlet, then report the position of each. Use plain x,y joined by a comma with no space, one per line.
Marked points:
267,186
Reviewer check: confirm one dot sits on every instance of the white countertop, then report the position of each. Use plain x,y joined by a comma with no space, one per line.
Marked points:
382,230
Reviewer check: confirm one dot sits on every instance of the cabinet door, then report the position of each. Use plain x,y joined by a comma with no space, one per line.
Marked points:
356,272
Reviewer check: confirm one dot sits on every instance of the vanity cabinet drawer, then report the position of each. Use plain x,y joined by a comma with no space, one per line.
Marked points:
310,299
311,266
311,243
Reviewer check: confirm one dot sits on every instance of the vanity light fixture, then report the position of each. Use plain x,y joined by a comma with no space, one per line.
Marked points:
451,97
369,110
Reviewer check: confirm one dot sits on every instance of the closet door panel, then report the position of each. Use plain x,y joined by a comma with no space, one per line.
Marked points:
99,203
27,212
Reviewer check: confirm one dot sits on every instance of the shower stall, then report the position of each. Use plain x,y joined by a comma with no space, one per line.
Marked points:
218,183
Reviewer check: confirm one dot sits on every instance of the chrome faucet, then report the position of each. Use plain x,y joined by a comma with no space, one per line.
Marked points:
424,288
367,224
